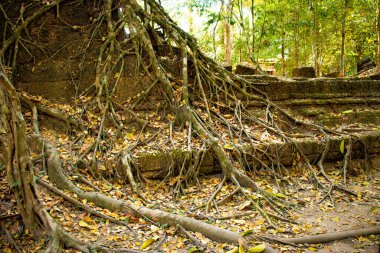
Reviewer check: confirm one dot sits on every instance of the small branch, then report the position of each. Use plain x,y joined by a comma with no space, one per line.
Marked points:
191,237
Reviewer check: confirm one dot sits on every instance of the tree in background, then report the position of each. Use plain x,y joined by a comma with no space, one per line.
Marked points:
331,35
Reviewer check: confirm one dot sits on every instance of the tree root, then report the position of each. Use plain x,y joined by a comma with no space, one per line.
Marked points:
55,113
57,176
329,237
85,207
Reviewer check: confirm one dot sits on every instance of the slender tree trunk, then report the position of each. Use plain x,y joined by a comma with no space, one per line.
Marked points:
343,45
228,33
253,27
316,48
296,37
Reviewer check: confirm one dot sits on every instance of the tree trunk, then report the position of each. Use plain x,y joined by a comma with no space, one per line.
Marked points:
296,36
343,44
316,48
253,27
228,32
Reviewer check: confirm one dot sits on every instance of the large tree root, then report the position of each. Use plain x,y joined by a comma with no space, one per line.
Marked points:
329,237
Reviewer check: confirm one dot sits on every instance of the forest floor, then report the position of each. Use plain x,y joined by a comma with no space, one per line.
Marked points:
346,214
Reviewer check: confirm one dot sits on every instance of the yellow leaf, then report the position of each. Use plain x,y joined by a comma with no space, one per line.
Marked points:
129,136
241,249
296,229
146,243
342,147
257,249
234,250
312,249
118,193
117,75
336,219
363,239
83,224
87,219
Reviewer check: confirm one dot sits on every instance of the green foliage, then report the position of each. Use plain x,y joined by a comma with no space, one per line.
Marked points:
308,32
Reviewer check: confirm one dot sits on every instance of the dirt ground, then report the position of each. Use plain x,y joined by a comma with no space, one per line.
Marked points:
348,214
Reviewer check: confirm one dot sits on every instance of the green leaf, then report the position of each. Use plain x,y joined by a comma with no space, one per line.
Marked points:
228,146
247,232
348,111
374,209
257,249
193,249
342,147
280,195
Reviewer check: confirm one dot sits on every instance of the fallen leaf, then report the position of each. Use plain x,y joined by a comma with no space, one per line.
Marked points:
84,224
234,250
146,243
257,249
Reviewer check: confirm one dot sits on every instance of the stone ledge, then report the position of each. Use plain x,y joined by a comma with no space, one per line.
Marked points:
156,165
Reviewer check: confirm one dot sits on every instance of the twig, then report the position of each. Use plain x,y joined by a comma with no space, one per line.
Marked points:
191,237
10,216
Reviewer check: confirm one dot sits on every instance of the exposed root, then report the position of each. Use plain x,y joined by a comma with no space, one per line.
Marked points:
329,237
52,112
85,207
332,185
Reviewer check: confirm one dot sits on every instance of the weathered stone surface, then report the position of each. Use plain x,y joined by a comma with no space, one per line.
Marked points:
334,74
308,72
375,76
244,69
157,165
365,64
227,67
